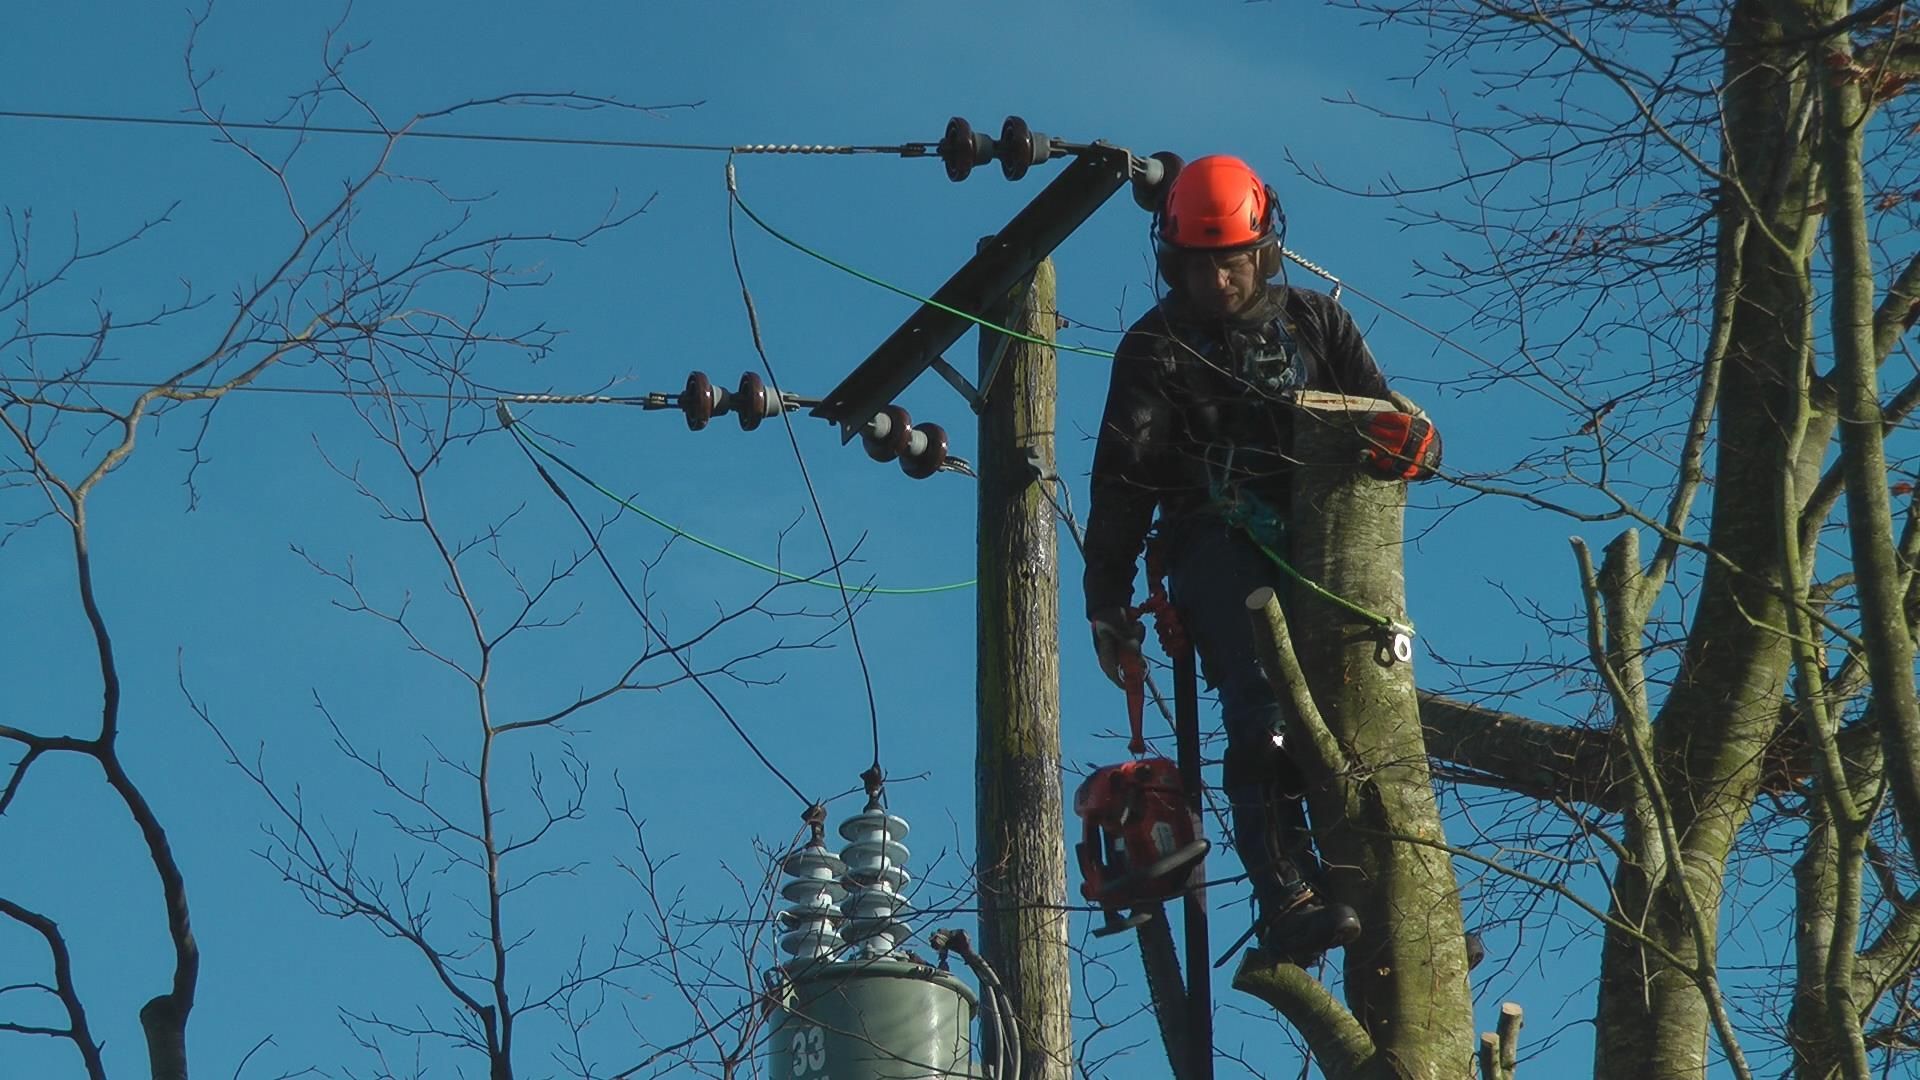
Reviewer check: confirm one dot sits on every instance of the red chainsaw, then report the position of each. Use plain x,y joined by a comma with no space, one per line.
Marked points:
1141,843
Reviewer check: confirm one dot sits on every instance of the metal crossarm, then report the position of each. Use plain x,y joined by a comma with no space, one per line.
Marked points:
982,283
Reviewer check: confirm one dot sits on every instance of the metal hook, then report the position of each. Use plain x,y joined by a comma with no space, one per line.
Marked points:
1396,645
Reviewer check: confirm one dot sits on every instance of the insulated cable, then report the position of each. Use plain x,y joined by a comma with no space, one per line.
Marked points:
902,149
518,431
985,324
793,439
647,621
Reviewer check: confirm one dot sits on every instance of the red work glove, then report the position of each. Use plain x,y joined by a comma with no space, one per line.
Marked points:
1403,446
1117,634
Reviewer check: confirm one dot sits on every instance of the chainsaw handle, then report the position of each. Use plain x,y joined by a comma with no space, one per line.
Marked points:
1133,674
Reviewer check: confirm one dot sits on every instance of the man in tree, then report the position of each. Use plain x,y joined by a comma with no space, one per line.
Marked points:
1198,425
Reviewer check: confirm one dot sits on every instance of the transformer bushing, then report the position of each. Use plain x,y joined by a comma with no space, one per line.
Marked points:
875,859
851,1004
814,891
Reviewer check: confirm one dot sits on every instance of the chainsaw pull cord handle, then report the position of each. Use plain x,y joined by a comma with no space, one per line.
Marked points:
1167,628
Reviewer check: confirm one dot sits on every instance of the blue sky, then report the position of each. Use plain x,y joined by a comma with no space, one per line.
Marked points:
218,594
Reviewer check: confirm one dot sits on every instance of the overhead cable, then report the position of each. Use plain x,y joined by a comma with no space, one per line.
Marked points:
800,459
902,149
647,621
518,432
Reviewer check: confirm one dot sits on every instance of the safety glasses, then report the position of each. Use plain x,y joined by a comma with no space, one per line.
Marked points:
1190,261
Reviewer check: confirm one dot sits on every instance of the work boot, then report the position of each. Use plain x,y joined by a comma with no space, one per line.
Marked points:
1306,928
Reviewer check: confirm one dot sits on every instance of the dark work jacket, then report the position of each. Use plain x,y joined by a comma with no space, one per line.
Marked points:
1194,402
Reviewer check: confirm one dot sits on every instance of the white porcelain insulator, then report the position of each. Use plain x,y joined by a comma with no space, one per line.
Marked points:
813,890
875,859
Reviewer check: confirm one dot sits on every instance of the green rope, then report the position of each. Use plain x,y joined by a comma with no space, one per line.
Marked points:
985,324
875,590
1320,590
1253,516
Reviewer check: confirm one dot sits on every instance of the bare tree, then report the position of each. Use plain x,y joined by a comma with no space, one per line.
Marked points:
1693,222
470,830
376,310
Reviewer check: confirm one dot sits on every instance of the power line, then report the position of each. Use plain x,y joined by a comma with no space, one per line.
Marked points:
1339,285
902,149
733,190
913,149
562,399
645,620
820,514
328,391
516,430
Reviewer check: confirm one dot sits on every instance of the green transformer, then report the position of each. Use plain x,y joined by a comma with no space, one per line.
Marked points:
875,1019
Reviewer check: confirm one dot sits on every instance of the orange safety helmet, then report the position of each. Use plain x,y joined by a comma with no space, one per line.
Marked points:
1218,202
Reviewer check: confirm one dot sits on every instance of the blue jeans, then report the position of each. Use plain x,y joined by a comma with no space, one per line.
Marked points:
1213,566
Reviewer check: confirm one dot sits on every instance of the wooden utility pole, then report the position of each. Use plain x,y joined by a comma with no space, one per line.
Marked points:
1022,853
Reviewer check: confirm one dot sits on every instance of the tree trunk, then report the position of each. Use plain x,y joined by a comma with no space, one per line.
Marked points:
1879,580
1376,820
1653,1020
